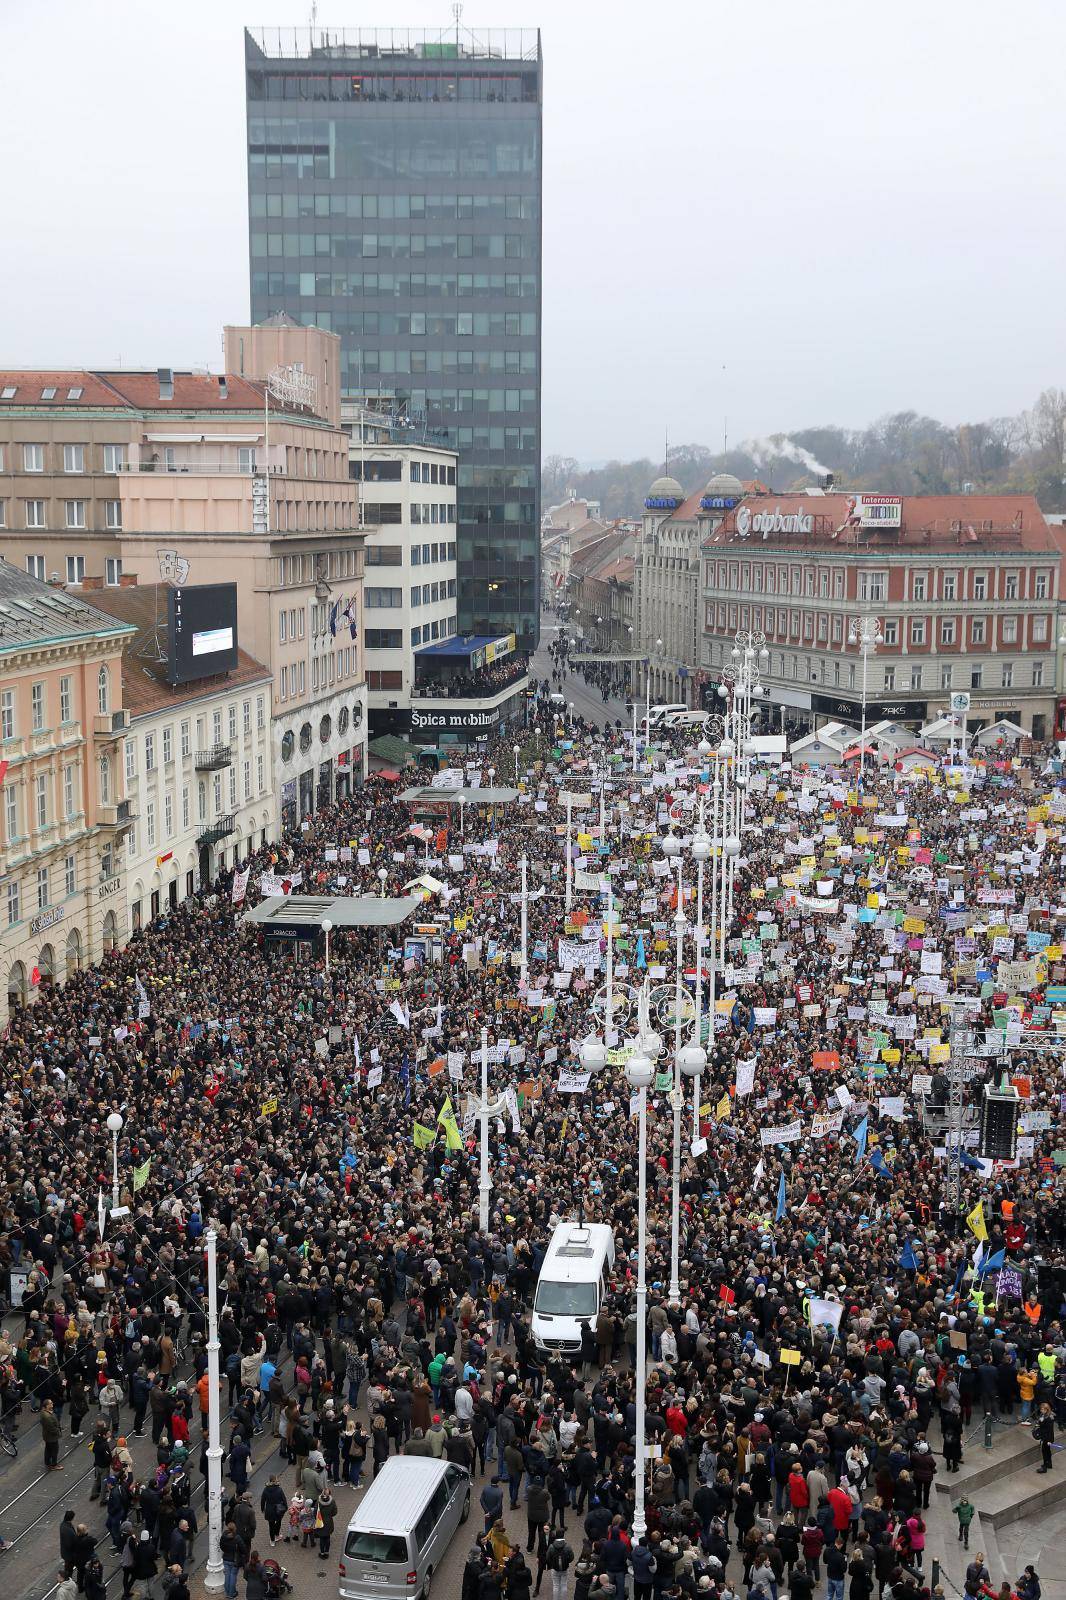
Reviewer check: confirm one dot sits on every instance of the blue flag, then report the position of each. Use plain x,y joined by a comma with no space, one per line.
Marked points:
880,1165
992,1263
908,1260
958,1278
642,960
859,1135
780,1199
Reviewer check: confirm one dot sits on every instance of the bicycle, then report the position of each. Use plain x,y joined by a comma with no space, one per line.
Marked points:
8,1442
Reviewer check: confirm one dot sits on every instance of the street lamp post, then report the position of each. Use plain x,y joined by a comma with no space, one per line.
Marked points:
647,708
484,1182
640,1070
382,879
517,752
114,1126
214,1577
866,633
569,852
524,967
327,928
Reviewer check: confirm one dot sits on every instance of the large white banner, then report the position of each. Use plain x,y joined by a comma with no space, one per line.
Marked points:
785,1135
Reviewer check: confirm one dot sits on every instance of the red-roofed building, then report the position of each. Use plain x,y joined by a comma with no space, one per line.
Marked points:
964,590
668,627
187,478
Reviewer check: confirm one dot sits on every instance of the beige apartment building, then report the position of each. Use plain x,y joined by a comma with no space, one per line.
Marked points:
63,807
186,478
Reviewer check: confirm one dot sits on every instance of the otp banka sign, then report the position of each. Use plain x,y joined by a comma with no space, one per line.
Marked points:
748,522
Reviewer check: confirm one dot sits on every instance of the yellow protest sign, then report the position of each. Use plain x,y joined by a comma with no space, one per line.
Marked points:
721,1110
268,1108
938,1053
789,1358
873,901
891,1055
913,925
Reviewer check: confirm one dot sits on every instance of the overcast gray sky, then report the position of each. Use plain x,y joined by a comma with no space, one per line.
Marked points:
790,213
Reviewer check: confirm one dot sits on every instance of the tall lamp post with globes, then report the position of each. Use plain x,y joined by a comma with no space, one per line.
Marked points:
866,633
640,1072
114,1128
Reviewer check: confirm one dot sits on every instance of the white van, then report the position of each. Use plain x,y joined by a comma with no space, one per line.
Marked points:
660,715
687,719
402,1527
572,1284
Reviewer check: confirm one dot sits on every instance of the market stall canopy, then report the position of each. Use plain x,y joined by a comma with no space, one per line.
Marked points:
345,911
451,797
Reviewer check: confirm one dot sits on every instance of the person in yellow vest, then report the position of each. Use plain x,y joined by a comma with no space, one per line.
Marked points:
1046,1362
1028,1378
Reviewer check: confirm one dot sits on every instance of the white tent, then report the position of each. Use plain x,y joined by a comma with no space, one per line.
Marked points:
943,730
1004,731
823,748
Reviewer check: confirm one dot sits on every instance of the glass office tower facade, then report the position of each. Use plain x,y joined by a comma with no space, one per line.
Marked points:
394,185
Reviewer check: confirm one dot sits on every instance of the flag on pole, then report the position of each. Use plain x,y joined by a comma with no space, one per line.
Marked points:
908,1260
757,1175
859,1135
992,1263
423,1136
879,1164
780,1199
446,1110
140,1175
452,1136
958,1278
976,1223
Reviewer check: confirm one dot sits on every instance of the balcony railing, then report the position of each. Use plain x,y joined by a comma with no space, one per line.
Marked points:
221,828
121,815
225,469
482,685
214,758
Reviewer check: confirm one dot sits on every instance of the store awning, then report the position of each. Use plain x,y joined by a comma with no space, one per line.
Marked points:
296,912
426,795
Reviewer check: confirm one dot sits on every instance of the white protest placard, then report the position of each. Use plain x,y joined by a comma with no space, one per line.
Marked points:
374,1077
787,1134
573,1082
826,1123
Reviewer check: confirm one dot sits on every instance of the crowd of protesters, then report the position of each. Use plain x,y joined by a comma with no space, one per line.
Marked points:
365,1314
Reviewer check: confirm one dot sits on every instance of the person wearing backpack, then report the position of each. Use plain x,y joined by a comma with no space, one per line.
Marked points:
560,1559
643,1566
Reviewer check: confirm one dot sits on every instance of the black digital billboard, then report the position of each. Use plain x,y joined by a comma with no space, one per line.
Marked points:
202,621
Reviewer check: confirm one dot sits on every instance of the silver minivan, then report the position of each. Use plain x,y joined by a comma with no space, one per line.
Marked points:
402,1528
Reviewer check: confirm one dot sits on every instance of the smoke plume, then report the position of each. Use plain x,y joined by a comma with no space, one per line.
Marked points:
779,446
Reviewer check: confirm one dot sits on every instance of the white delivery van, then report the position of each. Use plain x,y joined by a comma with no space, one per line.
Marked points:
572,1284
687,719
402,1528
659,715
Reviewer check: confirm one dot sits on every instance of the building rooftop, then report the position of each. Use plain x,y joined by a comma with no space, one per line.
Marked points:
456,43
35,613
933,523
158,389
144,664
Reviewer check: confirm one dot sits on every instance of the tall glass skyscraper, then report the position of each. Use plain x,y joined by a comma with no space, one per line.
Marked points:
394,187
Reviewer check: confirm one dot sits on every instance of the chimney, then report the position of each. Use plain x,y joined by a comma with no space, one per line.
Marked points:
166,383
128,580
223,387
92,583
830,479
